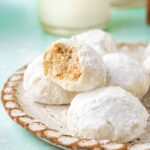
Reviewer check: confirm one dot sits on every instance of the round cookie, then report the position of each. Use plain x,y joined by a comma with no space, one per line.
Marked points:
107,113
125,72
147,51
101,41
42,90
146,61
146,64
74,66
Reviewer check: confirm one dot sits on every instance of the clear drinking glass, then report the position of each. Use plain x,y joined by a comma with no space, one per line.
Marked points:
128,3
73,16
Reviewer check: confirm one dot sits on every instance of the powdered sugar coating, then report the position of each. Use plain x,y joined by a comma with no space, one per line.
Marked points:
101,41
147,51
125,72
84,68
107,113
146,61
146,64
42,90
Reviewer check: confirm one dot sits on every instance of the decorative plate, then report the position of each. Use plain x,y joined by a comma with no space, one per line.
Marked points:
47,122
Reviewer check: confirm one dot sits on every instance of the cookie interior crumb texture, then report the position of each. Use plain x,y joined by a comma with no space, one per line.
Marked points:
42,90
62,62
73,65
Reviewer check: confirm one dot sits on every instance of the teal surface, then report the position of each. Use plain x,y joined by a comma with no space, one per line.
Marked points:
22,39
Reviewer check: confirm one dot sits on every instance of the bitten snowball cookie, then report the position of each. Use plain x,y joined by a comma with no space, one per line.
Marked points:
107,113
74,66
101,41
125,72
42,90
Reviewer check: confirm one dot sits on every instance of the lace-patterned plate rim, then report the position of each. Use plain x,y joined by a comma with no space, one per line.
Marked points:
9,100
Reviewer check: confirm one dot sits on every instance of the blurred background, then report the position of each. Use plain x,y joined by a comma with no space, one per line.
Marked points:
22,38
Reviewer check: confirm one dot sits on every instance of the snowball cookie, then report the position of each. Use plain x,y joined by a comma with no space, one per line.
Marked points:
107,113
42,90
125,72
146,64
147,51
74,66
101,41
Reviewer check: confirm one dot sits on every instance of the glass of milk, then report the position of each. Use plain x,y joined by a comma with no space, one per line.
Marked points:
128,3
68,17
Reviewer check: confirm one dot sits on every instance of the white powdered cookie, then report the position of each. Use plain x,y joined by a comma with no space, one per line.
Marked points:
101,41
107,113
41,89
146,64
125,72
74,66
147,51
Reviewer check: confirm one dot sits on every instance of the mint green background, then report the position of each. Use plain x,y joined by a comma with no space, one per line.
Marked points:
22,39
